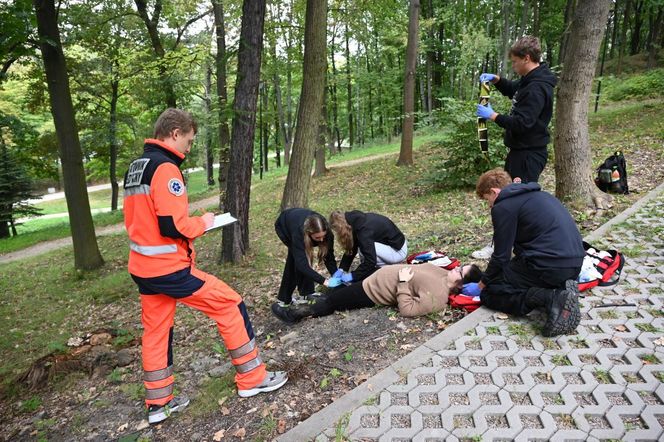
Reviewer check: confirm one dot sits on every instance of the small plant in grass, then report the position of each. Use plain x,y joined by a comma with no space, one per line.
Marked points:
602,376
493,330
656,312
519,330
348,354
211,391
560,360
550,344
324,383
649,359
660,375
219,348
267,427
31,404
608,314
373,400
648,328
123,338
57,347
133,391
115,376
340,428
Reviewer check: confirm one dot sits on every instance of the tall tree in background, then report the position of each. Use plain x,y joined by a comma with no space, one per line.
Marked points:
235,240
86,251
222,98
406,152
572,146
296,191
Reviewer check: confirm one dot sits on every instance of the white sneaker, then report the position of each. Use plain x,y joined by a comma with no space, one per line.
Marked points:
299,300
483,253
273,380
158,413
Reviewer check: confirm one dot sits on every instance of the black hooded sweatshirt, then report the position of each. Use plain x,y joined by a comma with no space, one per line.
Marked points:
290,230
537,226
532,108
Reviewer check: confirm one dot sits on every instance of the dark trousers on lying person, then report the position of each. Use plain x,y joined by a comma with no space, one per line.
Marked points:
343,298
509,293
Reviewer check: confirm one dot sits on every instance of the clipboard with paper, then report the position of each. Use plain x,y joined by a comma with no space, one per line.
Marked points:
221,220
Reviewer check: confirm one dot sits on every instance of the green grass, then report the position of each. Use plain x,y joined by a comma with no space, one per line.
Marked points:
210,393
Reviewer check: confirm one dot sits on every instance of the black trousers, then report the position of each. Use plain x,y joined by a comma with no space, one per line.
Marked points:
291,279
343,298
526,164
508,292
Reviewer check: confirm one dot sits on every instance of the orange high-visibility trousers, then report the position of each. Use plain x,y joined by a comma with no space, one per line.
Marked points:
218,301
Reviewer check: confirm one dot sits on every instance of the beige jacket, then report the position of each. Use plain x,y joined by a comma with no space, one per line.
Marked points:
426,292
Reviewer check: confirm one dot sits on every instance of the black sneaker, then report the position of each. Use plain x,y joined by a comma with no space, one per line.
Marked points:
159,413
285,313
563,313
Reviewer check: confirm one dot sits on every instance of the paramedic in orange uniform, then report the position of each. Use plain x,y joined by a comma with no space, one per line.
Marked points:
162,263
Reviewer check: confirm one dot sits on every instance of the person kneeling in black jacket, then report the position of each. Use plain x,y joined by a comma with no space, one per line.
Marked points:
548,253
375,237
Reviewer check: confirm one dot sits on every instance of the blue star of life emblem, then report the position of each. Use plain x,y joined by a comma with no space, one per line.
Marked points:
176,187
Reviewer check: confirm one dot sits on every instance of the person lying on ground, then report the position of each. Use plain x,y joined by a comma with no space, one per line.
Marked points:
415,290
548,254
375,237
302,231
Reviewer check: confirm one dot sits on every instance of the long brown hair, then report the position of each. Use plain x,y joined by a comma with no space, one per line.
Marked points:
342,230
315,224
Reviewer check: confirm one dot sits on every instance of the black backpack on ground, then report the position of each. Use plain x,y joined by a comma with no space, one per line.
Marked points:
612,174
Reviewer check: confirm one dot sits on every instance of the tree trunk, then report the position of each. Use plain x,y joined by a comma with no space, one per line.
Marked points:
536,18
311,102
569,14
86,251
614,28
349,91
235,239
335,100
222,99
152,25
266,128
653,43
207,101
319,168
113,144
289,86
406,152
573,166
505,38
635,42
280,106
623,35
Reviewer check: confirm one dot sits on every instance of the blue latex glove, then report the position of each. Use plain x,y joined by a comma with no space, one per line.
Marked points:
338,273
471,289
484,111
487,77
334,281
347,277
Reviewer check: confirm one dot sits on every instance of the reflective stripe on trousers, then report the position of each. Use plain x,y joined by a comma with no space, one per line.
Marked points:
221,303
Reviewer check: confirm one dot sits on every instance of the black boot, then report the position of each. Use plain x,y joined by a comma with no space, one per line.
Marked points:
291,314
563,313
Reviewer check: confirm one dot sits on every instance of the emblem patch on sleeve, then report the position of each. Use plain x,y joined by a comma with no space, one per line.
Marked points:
176,187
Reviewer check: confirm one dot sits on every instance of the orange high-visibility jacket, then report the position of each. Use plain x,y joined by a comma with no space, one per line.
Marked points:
156,210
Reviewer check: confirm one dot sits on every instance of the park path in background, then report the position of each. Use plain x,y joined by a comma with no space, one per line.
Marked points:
48,246
489,377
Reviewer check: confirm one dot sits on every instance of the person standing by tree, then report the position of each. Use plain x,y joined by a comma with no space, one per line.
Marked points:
161,263
526,127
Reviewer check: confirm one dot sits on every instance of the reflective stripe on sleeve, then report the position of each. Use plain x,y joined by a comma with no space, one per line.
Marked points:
158,375
158,393
243,350
153,250
143,189
249,365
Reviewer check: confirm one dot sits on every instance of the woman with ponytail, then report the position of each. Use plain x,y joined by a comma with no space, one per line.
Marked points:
375,237
302,231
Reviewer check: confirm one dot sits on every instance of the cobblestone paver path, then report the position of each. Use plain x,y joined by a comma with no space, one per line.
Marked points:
502,381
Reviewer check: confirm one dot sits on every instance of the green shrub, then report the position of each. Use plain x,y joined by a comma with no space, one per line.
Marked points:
462,161
648,84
